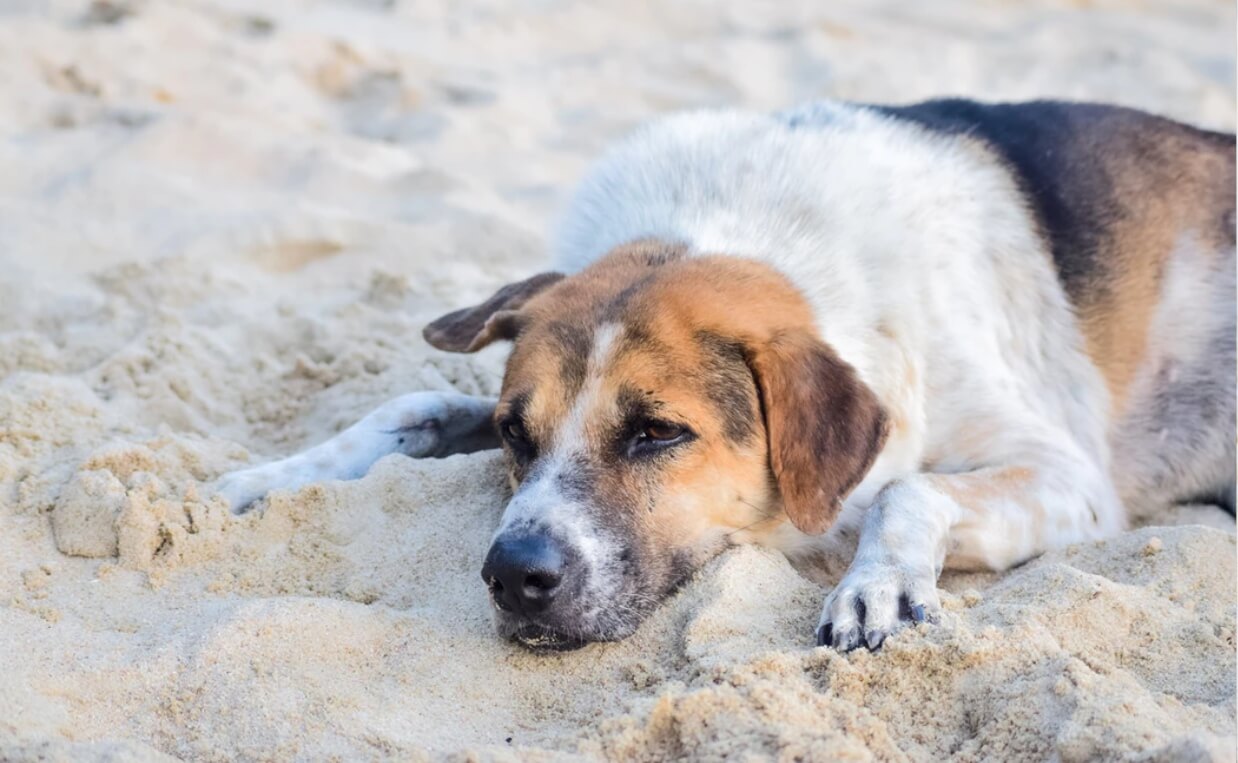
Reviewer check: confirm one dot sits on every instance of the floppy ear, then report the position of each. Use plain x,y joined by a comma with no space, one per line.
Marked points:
825,426
473,328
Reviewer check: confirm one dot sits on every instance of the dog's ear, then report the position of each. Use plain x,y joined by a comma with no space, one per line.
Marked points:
825,426
499,317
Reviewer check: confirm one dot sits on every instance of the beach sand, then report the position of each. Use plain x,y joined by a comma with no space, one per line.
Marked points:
221,230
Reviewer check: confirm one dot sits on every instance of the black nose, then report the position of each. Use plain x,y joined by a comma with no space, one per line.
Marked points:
524,572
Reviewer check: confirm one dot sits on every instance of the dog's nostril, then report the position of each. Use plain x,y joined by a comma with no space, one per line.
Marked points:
540,583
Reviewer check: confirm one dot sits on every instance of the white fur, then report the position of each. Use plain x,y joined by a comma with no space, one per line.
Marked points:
418,424
926,274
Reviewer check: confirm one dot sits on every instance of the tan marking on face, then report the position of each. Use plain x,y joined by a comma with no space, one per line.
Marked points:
685,337
550,359
715,483
688,503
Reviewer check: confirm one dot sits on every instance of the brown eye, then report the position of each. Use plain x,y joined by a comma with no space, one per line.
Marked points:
661,431
650,437
513,432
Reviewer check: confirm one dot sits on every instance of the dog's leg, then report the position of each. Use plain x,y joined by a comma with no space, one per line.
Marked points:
988,519
422,424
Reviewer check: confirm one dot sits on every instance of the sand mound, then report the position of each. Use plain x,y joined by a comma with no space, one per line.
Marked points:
348,620
220,233
1069,657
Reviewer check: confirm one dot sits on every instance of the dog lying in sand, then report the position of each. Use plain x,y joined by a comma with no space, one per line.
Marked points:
946,335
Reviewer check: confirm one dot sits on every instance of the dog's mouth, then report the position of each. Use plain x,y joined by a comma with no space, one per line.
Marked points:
566,629
538,639
578,609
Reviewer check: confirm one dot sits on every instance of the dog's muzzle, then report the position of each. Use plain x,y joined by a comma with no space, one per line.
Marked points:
531,576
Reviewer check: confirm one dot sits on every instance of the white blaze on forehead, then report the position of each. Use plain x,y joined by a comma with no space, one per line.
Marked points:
540,500
570,438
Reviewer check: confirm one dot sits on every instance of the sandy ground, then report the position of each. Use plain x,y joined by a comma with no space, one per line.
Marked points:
220,233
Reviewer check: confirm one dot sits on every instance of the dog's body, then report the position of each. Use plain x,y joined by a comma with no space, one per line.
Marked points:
970,332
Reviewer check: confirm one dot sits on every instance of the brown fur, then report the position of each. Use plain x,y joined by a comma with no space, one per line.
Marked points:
977,493
1168,180
724,346
825,427
473,328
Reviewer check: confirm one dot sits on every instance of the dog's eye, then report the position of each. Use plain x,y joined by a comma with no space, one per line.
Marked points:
513,432
656,436
660,431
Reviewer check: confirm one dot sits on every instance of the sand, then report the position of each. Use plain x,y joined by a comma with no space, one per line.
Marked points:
221,230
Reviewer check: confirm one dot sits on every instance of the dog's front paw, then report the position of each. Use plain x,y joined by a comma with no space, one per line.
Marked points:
242,488
873,600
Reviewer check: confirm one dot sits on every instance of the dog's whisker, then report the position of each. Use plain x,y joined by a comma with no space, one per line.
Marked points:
750,525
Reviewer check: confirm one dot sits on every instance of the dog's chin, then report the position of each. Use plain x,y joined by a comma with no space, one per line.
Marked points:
549,637
535,638
568,629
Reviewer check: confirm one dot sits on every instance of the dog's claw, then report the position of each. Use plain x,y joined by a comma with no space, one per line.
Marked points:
919,614
849,641
825,635
874,601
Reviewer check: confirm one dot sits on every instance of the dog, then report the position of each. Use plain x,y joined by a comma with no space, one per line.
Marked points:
945,335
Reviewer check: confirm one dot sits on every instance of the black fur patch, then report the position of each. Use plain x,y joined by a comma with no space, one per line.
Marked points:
1064,157
616,309
729,385
637,336
575,343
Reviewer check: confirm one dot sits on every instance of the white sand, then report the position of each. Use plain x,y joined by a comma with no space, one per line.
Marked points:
220,233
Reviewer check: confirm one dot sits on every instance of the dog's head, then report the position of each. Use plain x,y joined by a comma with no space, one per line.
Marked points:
653,406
